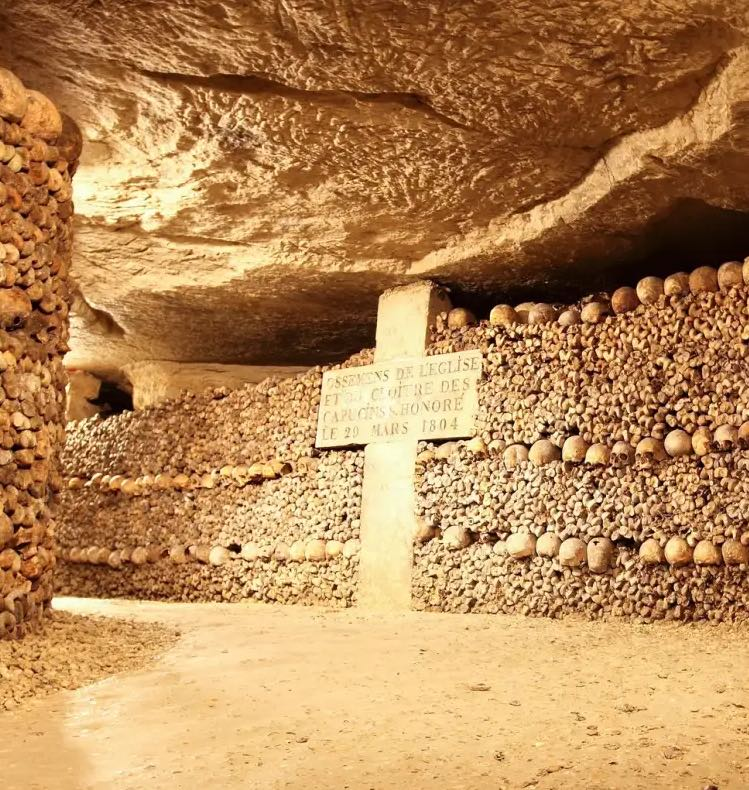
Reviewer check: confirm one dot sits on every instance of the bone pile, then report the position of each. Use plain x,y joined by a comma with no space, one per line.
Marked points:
39,150
217,496
607,476
103,646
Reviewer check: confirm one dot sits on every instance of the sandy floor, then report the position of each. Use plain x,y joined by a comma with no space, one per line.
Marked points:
265,697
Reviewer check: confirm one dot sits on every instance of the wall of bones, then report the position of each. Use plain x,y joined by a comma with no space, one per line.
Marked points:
609,471
606,477
218,496
39,150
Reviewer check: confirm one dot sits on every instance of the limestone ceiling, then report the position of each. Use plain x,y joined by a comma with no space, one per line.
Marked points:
256,173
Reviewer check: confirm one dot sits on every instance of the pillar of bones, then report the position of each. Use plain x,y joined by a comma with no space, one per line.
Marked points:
39,149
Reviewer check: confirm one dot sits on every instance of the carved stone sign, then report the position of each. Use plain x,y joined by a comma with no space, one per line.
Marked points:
417,398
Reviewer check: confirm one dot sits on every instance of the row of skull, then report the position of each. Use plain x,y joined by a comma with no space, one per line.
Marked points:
135,486
600,553
310,550
576,450
649,290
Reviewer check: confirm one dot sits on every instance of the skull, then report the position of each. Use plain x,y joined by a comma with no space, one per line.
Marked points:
702,441
649,290
574,449
624,299
543,452
744,436
678,443
622,454
598,454
514,455
650,449
726,437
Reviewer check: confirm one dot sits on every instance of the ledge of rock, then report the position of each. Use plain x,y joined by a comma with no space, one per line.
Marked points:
255,174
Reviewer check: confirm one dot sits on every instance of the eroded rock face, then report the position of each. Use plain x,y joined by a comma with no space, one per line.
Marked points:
81,390
153,382
255,174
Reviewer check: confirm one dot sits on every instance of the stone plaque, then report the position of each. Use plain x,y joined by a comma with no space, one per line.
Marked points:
413,398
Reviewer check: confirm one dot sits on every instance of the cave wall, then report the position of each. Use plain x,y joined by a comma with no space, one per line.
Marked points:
38,154
154,381
254,172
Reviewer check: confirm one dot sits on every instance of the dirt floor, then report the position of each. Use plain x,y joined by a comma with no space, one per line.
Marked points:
265,697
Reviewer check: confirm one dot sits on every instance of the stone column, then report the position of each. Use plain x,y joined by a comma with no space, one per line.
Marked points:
38,152
388,516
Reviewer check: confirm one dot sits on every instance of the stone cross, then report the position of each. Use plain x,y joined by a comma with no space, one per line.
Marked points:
388,508
388,407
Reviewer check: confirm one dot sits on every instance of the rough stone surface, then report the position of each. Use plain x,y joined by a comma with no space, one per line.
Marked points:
82,388
253,172
153,382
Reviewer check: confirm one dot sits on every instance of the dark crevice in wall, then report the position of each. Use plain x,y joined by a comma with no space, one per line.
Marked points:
113,399
691,233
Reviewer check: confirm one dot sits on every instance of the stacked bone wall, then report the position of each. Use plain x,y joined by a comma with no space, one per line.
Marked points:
38,152
215,496
607,476
609,473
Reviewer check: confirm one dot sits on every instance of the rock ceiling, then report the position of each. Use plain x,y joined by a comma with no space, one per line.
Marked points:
256,173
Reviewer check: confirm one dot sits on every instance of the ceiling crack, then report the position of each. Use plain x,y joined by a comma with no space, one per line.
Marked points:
257,84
